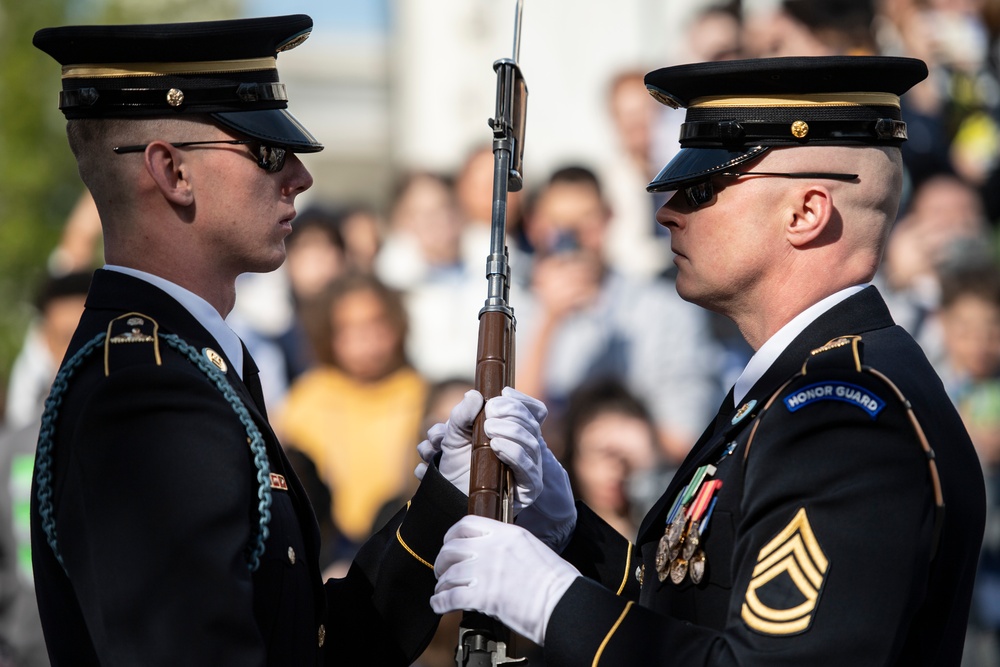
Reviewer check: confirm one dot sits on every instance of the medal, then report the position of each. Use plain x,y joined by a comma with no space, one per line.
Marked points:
691,542
697,567
678,570
662,562
679,553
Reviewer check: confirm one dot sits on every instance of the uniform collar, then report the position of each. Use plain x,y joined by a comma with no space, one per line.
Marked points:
200,309
776,344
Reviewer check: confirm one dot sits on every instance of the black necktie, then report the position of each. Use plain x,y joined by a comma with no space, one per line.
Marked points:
725,412
251,378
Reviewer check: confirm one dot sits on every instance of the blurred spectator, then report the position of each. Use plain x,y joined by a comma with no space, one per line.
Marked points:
58,305
21,640
263,314
425,231
970,322
635,244
357,415
592,322
944,225
80,244
609,443
715,33
474,192
970,319
361,231
266,316
315,253
422,257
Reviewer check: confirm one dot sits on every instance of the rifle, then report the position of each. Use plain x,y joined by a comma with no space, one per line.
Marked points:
483,642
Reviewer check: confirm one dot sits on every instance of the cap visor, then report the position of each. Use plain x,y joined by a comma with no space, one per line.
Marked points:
271,126
692,165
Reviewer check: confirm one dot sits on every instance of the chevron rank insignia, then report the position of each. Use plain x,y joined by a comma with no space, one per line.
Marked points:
787,581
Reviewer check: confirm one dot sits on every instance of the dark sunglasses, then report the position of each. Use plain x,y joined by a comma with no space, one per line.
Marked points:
703,193
269,158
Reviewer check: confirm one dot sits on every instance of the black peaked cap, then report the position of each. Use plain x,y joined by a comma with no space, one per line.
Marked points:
738,109
226,69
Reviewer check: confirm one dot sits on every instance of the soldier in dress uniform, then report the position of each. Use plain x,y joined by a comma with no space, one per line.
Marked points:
167,525
832,514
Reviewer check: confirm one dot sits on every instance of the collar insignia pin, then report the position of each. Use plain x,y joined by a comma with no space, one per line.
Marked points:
215,358
743,411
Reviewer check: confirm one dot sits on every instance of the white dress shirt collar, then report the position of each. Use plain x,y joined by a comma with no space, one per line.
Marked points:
776,344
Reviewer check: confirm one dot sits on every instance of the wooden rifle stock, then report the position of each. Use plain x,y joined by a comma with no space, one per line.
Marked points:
489,481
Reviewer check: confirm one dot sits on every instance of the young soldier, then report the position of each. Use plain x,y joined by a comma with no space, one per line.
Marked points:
167,525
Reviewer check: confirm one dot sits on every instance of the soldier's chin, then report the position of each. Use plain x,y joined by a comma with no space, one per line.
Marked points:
267,265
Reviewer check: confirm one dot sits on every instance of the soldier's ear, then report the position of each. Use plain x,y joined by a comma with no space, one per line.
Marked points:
166,166
811,215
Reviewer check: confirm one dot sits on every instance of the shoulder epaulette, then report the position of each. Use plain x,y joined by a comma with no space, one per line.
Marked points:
131,335
843,352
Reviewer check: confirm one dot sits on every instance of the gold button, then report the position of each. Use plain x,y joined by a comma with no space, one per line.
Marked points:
800,129
291,555
322,635
175,97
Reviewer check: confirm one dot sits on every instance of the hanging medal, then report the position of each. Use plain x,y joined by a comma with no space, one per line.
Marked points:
679,553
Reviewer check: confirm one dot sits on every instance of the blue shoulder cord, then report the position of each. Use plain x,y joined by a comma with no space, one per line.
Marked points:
46,441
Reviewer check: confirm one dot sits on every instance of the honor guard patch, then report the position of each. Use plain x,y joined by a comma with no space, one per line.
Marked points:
787,581
835,391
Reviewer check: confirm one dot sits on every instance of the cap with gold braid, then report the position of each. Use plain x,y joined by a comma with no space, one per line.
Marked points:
225,69
738,109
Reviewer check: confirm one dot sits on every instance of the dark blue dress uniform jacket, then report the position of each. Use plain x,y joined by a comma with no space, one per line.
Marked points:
156,504
821,549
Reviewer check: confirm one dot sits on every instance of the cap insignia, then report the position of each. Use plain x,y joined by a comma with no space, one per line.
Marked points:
663,97
294,41
175,97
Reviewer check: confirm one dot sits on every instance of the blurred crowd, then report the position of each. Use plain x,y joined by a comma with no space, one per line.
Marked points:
368,334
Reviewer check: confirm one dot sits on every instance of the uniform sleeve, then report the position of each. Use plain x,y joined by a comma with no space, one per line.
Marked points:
385,595
602,554
831,556
154,523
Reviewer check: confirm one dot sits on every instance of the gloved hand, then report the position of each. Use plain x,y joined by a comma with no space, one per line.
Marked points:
503,571
511,424
551,516
454,440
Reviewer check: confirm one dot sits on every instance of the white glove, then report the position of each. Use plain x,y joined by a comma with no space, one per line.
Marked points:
454,440
512,423
551,516
502,571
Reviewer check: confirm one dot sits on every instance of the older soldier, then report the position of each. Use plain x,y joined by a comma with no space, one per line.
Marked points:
808,524
167,525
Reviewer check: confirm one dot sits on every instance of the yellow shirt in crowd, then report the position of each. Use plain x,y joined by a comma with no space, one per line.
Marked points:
361,436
